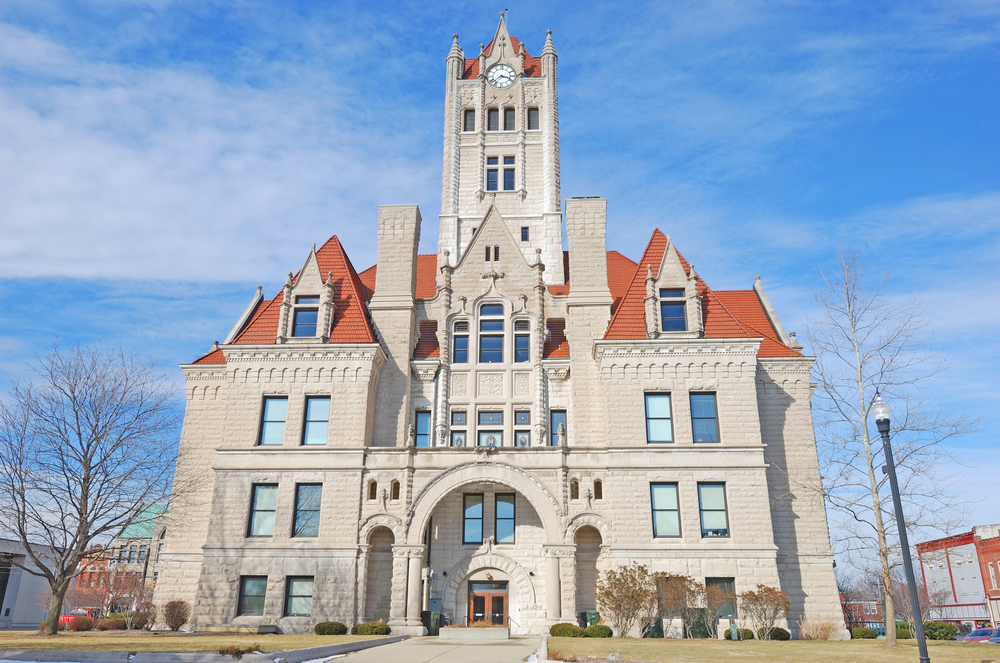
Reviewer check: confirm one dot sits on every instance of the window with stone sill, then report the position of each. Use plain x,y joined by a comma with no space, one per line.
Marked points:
713,508
666,510
574,489
372,490
503,523
252,592
491,336
298,596
598,489
469,120
307,503
460,353
272,427
263,504
472,525
532,119
305,319
672,314
493,119
394,490
659,426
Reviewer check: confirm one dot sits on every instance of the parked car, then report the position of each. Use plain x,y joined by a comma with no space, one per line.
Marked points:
995,639
982,635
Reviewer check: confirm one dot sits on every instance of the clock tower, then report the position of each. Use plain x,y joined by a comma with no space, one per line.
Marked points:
501,150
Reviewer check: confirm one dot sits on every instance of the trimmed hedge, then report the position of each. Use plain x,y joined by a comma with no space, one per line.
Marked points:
744,634
862,633
331,628
777,633
371,628
903,633
109,624
82,623
597,631
566,630
940,630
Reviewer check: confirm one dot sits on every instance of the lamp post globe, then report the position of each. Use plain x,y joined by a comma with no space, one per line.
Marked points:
880,410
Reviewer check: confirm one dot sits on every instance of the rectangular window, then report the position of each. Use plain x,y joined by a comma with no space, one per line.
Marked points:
672,315
490,438
490,418
262,507
272,427
726,586
508,119
458,438
252,591
305,322
532,119
472,506
142,553
666,512
658,424
491,309
491,185
298,596
522,417
712,503
458,418
704,422
504,524
469,120
557,418
423,429
522,438
522,343
508,179
317,420
490,346
493,120
123,554
524,234
307,499
131,554
993,575
461,353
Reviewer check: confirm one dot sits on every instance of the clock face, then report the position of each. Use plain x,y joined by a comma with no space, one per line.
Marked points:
501,76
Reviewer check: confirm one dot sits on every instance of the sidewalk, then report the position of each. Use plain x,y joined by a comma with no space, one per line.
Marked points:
422,650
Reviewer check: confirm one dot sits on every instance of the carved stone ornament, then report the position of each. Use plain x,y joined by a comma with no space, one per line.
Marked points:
460,384
411,436
491,384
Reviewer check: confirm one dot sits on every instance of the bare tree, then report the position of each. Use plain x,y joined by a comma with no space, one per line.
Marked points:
83,445
869,343
627,595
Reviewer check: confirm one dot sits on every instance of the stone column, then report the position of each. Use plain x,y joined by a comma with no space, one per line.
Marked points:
553,607
567,568
397,602
361,594
413,592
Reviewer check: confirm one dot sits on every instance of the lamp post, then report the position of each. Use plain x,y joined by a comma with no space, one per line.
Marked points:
880,410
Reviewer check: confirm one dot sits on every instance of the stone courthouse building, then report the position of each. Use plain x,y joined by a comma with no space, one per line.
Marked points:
484,430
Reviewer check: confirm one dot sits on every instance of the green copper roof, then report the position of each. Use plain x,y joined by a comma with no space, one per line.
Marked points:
142,523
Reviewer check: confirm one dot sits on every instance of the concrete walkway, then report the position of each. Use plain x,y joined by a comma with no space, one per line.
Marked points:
427,650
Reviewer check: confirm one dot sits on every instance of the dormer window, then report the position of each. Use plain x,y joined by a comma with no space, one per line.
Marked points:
304,322
672,314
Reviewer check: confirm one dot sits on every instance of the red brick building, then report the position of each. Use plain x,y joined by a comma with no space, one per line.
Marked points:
962,576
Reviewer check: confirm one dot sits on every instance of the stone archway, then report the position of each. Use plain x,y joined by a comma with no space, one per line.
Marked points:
588,520
544,503
588,549
378,577
523,595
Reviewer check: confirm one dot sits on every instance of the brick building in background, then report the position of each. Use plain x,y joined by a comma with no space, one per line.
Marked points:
962,576
484,430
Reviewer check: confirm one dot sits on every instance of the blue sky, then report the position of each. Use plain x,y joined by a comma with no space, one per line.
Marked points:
160,159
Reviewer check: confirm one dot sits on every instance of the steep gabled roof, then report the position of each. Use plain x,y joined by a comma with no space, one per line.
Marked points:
532,66
350,319
725,314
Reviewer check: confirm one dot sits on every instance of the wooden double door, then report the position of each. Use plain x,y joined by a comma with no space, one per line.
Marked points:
488,602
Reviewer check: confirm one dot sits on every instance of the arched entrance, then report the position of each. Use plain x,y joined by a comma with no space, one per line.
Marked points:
588,548
378,582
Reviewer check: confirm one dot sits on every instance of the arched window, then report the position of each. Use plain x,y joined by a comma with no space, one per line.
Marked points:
574,489
394,490
598,489
372,490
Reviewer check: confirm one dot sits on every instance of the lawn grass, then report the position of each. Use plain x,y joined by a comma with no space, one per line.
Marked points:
135,641
799,651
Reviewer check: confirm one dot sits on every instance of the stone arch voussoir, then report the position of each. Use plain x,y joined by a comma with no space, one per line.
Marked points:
541,499
588,520
491,560
394,524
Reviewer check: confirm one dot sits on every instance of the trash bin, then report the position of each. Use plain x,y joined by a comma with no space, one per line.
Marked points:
432,621
592,618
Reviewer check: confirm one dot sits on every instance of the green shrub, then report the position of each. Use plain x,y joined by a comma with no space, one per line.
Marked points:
565,630
110,624
744,634
940,630
863,633
777,633
903,633
598,631
371,628
331,628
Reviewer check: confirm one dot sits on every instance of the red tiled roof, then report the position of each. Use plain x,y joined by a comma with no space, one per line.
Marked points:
213,357
532,66
350,319
427,344
556,344
620,271
725,314
426,277
629,320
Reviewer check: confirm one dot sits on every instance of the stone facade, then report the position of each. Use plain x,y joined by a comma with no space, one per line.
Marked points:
487,410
